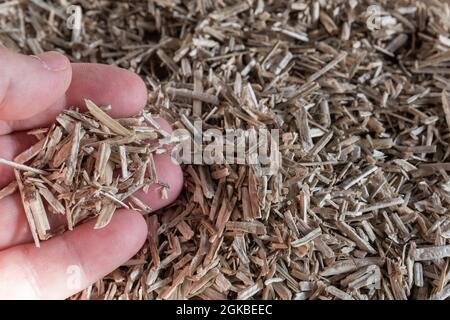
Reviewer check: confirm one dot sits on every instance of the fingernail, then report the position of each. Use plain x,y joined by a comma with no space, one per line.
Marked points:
53,61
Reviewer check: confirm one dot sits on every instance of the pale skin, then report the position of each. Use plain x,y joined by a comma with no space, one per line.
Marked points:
33,91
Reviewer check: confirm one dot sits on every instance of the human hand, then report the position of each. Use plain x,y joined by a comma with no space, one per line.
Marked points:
33,91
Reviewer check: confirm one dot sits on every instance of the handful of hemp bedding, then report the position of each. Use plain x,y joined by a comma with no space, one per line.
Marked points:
86,165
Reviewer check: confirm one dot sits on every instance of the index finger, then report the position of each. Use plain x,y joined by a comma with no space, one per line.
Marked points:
105,85
31,84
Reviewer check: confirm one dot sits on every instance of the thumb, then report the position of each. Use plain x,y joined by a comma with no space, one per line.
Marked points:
31,84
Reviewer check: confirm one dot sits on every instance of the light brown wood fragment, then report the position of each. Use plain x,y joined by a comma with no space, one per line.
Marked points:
338,293
250,291
36,206
73,156
178,279
222,283
330,65
369,230
418,274
304,199
325,118
290,222
105,215
304,90
442,295
321,144
400,225
62,154
324,248
432,253
105,119
382,204
345,266
327,22
446,107
27,208
291,32
114,199
246,206
123,161
107,177
23,167
185,230
206,182
198,89
211,294
148,117
31,152
307,238
351,233
254,227
146,209
167,60
419,149
352,181
228,12
101,161
52,200
367,277
199,286
240,248
377,143
196,96
303,128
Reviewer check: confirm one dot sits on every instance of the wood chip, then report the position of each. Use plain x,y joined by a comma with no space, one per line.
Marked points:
23,167
104,118
431,253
